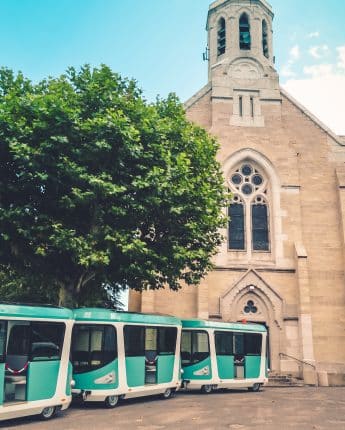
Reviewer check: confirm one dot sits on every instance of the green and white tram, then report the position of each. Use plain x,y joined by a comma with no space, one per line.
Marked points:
122,355
35,372
223,355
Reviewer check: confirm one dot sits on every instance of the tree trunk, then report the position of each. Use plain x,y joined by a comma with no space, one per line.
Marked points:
67,297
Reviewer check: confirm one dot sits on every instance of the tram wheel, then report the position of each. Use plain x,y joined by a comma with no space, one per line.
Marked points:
48,413
168,393
255,388
111,401
206,389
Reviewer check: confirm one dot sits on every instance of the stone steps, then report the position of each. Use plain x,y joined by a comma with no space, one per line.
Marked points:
276,380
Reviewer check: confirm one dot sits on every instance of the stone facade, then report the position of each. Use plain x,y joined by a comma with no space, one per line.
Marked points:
296,287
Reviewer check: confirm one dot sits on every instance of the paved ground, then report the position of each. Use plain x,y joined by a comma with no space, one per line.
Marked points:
271,409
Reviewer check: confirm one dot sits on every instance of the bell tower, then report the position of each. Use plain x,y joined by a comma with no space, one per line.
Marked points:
241,59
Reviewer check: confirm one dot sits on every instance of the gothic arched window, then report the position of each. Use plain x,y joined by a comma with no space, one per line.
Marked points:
245,39
221,37
259,220
249,210
237,224
265,49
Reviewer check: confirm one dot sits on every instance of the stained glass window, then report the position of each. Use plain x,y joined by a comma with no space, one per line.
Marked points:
249,209
260,227
236,227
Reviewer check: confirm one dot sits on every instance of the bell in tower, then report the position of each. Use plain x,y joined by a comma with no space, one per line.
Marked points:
244,32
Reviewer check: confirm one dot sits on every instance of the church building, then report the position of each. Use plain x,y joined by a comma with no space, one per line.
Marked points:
282,263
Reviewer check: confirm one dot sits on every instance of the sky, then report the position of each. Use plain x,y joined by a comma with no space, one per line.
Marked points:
160,44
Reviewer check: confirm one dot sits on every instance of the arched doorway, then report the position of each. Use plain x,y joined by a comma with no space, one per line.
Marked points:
253,300
253,312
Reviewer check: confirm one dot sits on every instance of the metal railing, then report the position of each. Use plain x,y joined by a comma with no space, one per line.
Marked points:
303,362
282,354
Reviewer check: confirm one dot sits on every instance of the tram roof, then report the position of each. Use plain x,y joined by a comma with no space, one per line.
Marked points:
109,315
19,310
197,323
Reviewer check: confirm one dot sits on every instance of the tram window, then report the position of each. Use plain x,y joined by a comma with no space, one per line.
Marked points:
224,343
93,346
46,341
239,344
3,330
253,344
19,340
134,341
167,340
194,347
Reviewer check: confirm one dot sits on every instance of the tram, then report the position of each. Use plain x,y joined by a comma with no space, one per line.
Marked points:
35,372
223,355
48,354
122,355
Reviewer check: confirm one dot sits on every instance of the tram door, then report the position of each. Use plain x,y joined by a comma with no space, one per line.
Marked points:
160,347
150,354
225,354
268,349
33,360
247,349
240,358
134,337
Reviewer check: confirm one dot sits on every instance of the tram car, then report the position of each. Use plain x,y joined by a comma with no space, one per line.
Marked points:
223,355
48,354
122,355
35,372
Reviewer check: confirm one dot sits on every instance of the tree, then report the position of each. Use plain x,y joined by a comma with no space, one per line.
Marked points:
100,188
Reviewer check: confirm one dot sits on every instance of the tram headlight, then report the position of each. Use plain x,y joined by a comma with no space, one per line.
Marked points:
72,383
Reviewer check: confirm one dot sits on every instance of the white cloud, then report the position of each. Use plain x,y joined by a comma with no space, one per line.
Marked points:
322,89
319,51
313,35
295,54
287,72
341,57
323,93
319,70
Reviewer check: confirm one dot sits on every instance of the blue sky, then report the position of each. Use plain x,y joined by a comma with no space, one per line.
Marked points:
160,43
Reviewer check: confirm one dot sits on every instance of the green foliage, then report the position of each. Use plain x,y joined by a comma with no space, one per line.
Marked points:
98,187
26,288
